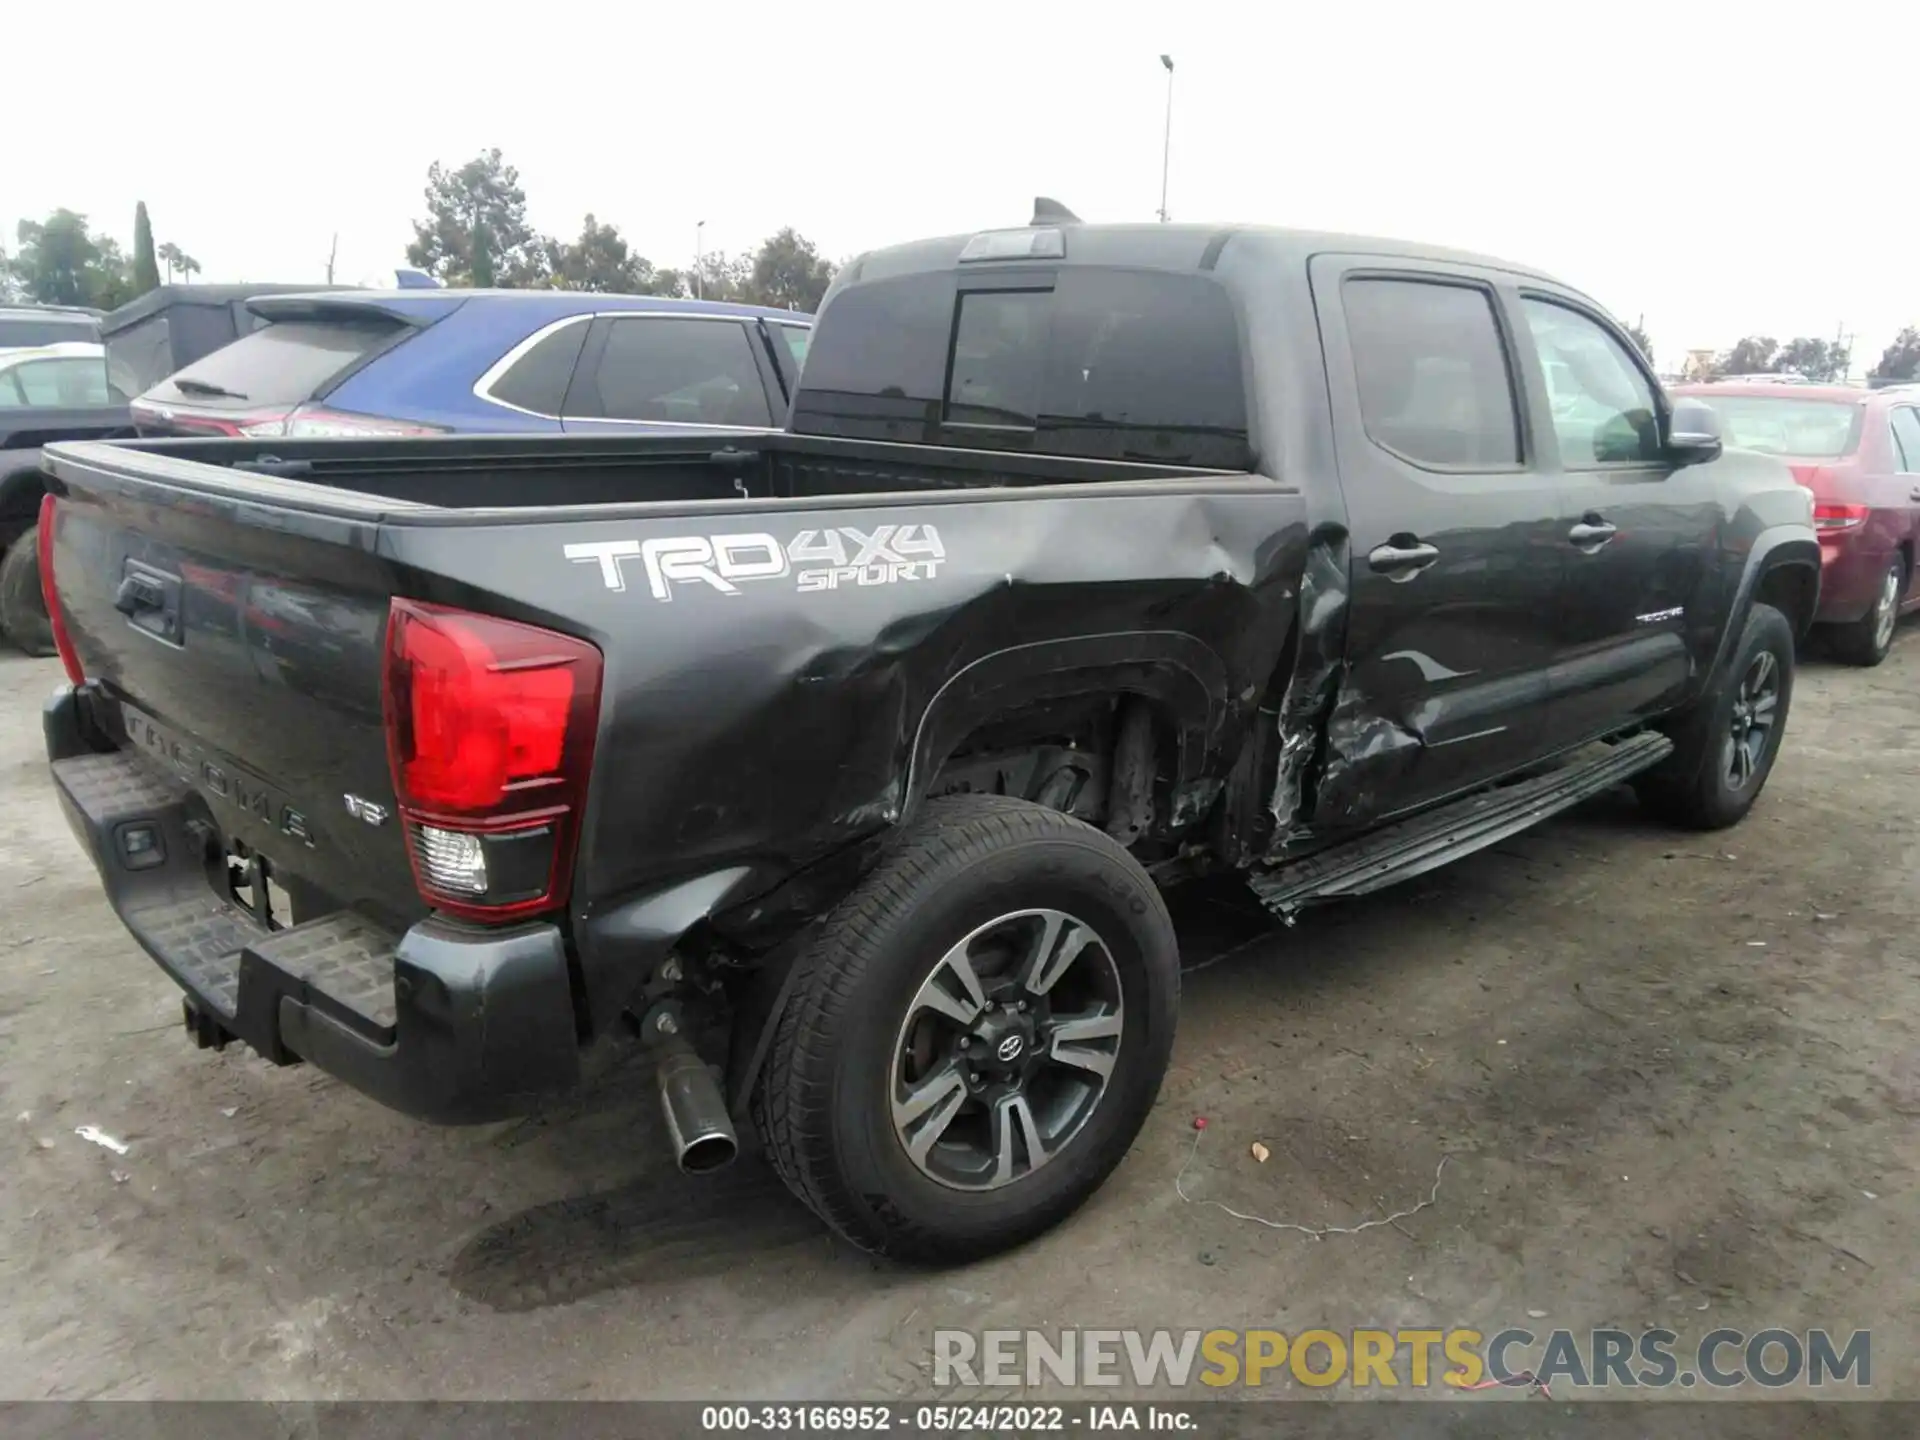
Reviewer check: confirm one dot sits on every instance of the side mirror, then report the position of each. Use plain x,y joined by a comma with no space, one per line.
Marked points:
1693,433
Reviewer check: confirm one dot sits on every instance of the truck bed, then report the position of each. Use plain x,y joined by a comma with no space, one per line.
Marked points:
484,476
229,602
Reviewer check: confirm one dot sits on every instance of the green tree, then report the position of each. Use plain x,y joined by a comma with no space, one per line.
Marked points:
1637,333
146,269
1815,359
1899,363
476,230
9,287
788,271
668,281
61,262
1753,355
599,260
719,276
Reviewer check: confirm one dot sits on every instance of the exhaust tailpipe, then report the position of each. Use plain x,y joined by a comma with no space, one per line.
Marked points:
690,1098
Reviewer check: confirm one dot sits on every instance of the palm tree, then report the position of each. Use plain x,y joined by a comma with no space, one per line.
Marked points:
177,260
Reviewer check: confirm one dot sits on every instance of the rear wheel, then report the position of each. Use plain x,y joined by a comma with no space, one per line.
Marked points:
1725,749
23,612
976,1036
1867,640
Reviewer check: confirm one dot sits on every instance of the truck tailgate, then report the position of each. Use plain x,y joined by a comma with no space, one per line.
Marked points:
240,646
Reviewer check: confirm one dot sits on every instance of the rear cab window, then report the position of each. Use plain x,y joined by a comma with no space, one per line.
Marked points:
1138,365
285,363
671,369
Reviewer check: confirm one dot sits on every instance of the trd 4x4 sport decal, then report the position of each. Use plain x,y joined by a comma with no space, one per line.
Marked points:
815,559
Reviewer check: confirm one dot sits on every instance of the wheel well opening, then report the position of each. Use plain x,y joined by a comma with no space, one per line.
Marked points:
1790,589
20,505
1069,754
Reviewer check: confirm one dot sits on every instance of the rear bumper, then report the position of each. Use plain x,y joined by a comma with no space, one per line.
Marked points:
444,1022
1850,577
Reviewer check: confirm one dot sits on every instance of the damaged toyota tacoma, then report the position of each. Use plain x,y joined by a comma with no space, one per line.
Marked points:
844,766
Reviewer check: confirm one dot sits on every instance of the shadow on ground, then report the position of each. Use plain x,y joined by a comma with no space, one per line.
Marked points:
666,1227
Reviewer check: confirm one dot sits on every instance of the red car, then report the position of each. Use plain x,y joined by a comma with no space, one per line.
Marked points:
1858,451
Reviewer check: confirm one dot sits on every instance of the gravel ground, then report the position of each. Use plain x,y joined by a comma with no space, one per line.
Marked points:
1673,1079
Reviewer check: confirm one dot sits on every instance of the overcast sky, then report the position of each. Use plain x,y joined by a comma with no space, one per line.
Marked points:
1719,169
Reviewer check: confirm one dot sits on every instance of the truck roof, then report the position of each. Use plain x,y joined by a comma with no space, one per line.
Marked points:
1168,247
168,297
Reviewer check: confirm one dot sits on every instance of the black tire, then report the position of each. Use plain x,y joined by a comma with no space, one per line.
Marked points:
1704,784
1869,640
23,611
823,1107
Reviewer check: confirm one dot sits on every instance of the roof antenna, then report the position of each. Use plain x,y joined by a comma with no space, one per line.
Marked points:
1051,212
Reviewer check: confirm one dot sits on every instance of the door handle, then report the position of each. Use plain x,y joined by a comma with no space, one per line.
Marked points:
1914,494
1402,561
1594,534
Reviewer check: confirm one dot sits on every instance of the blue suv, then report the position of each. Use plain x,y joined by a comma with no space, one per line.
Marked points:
423,362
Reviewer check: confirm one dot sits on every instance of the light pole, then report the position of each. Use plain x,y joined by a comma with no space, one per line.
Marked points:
1166,149
699,258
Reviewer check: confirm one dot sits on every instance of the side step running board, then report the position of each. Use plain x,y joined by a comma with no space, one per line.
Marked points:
1424,842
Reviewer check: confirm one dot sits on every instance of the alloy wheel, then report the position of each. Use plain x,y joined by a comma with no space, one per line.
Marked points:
1751,726
1006,1049
1886,609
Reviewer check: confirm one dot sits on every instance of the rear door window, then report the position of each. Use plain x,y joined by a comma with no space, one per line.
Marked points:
673,370
285,363
1434,384
67,383
788,344
794,338
1906,439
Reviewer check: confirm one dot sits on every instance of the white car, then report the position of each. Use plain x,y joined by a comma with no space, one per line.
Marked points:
71,375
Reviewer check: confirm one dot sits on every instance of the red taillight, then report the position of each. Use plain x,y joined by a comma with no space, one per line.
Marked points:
69,657
490,728
1839,517
147,417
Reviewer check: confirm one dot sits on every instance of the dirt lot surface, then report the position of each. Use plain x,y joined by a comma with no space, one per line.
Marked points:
1674,1080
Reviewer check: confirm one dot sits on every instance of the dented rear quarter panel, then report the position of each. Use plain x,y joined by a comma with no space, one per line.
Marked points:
762,730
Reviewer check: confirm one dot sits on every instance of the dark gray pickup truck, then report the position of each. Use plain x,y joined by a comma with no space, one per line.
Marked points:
845,766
